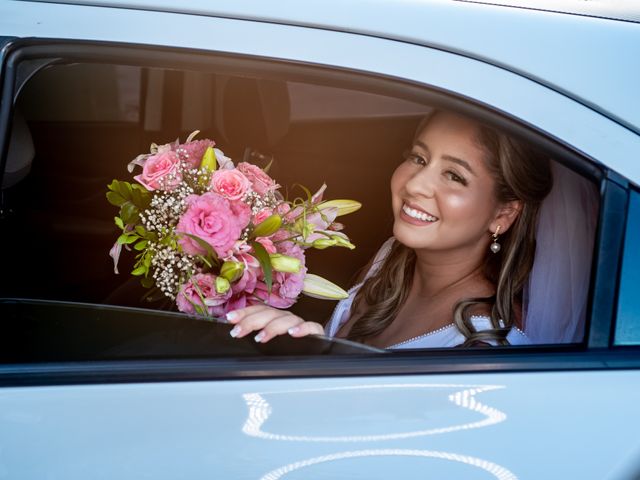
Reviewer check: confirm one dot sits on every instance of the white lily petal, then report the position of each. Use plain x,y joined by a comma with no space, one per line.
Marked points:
318,287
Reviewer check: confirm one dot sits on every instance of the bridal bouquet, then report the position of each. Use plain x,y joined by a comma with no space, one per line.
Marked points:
213,236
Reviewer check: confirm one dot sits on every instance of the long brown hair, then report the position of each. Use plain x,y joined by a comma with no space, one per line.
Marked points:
520,173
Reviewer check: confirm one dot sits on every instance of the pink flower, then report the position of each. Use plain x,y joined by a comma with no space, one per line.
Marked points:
242,211
262,215
267,244
286,287
161,172
192,152
231,184
247,282
283,209
188,295
211,218
261,182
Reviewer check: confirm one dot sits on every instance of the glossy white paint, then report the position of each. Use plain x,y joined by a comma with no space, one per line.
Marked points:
505,426
525,425
562,118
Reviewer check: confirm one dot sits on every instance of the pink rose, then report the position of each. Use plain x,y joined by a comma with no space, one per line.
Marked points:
192,152
188,295
231,184
161,172
262,215
261,182
211,218
242,211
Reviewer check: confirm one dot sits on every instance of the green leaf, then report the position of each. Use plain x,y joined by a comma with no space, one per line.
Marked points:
147,282
115,199
141,245
140,230
113,186
305,190
141,270
129,213
262,256
119,222
147,259
126,239
140,197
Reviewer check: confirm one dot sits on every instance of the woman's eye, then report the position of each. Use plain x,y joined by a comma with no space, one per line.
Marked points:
415,158
455,177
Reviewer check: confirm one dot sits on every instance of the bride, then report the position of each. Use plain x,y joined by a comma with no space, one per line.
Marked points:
465,203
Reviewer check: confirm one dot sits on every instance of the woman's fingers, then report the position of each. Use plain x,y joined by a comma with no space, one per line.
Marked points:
278,326
269,322
306,328
257,317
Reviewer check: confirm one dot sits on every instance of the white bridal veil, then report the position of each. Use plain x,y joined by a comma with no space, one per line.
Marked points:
555,297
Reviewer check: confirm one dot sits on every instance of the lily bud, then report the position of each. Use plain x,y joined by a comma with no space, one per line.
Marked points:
344,206
232,271
318,287
268,226
208,162
322,243
285,263
222,285
343,242
207,165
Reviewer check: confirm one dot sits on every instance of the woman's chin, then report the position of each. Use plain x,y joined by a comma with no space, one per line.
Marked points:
411,236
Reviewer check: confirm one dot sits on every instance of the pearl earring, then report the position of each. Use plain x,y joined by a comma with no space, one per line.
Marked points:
495,246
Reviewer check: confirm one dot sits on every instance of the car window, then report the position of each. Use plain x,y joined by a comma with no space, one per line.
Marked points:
628,318
69,146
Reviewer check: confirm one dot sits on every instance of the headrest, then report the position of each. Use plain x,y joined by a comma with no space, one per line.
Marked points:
21,152
255,112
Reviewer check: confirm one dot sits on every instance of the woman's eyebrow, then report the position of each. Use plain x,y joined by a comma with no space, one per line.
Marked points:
460,162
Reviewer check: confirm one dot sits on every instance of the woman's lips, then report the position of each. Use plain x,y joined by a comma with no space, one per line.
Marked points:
415,216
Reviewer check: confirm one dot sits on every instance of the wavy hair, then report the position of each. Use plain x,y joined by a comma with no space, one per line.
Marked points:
520,173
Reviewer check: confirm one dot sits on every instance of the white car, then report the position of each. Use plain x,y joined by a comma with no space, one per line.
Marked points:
92,387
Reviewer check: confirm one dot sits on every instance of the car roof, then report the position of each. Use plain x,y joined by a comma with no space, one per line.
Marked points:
627,10
590,59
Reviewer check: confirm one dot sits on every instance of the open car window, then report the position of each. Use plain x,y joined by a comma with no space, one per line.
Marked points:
76,126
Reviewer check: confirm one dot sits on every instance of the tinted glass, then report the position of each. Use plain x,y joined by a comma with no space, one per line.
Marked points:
628,322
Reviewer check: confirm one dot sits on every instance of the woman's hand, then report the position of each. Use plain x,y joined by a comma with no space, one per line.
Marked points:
269,322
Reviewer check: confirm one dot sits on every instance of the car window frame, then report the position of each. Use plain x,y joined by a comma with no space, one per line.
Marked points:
593,353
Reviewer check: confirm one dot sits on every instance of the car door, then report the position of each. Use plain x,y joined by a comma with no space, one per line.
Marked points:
541,411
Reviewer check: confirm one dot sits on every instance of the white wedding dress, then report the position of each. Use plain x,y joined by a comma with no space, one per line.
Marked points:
447,336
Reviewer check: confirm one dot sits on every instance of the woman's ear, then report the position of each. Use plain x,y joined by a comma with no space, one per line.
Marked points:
507,214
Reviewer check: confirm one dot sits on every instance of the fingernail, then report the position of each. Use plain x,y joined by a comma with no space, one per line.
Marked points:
235,331
258,338
293,330
231,315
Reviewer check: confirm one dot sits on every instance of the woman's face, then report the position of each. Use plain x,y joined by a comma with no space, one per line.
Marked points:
442,193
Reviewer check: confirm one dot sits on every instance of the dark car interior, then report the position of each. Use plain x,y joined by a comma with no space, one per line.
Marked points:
72,142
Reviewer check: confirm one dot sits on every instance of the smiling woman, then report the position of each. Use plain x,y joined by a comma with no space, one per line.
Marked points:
462,191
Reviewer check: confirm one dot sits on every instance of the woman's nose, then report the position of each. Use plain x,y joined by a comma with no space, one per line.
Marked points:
422,182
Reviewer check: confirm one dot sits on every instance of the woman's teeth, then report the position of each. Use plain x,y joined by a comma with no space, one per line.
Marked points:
413,213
